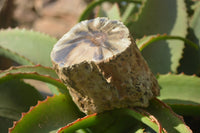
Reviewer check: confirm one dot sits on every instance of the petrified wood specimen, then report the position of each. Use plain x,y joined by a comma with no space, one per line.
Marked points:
102,67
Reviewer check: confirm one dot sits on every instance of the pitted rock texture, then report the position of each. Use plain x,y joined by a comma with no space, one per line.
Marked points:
102,67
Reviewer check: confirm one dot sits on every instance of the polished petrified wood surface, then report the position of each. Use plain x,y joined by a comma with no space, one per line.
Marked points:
103,68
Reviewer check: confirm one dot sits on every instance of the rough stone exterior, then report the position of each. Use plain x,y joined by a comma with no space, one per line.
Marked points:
121,81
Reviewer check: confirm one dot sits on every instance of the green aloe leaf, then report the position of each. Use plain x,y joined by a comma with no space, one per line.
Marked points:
26,47
5,123
110,121
38,72
130,9
159,17
48,115
114,12
86,13
149,41
189,66
113,121
181,92
195,21
190,62
132,12
170,121
15,97
31,69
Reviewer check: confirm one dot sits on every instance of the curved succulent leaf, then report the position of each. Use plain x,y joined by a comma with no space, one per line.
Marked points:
128,11
48,115
181,92
195,21
189,66
93,4
114,13
111,120
30,69
15,97
169,120
5,123
158,18
132,11
152,41
26,47
38,72
154,116
147,40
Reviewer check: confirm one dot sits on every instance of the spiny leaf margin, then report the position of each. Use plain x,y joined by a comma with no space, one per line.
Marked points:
50,114
95,119
181,91
34,72
26,47
151,116
147,40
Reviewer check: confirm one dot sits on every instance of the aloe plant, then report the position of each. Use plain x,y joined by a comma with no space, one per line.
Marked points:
169,40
